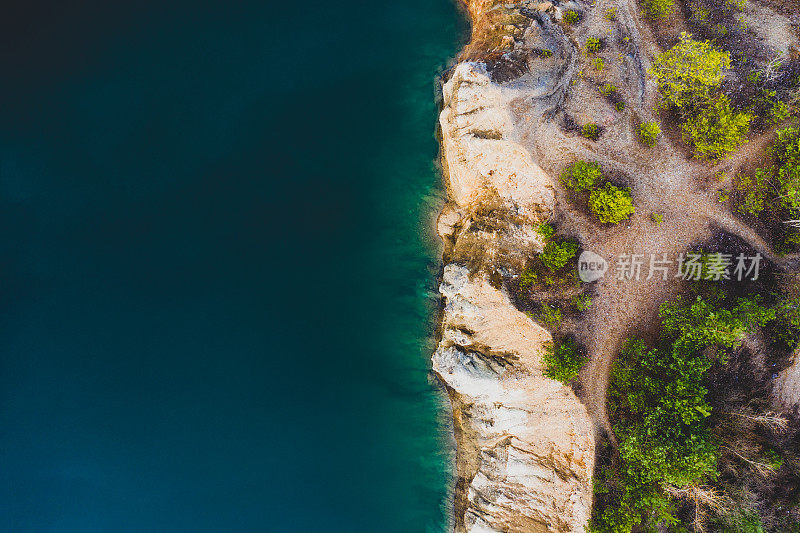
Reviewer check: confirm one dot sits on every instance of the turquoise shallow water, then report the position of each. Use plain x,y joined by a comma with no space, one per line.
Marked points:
217,275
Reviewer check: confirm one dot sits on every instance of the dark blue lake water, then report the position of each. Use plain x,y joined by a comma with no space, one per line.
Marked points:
216,269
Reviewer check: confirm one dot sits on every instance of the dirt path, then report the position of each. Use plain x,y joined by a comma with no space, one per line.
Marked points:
662,181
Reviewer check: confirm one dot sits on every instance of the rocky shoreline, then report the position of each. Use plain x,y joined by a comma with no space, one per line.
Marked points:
524,442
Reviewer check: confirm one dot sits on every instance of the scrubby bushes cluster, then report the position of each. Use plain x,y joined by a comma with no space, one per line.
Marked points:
549,265
716,129
688,76
774,189
660,411
610,204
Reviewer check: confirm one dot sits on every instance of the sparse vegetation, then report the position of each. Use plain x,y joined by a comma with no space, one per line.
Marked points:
563,361
549,316
599,63
610,204
582,302
658,8
775,188
607,89
591,131
659,404
648,133
658,218
593,45
571,17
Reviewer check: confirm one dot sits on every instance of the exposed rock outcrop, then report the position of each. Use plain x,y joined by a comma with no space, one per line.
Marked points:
525,444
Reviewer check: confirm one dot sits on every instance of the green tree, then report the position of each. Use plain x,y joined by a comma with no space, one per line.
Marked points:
611,204
582,176
563,361
689,72
648,133
556,255
717,130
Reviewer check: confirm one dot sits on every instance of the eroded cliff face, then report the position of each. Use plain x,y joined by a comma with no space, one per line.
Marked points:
525,443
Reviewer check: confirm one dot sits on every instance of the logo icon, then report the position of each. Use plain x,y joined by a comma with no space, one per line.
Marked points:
591,267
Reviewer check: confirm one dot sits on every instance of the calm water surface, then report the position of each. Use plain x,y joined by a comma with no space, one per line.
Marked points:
215,266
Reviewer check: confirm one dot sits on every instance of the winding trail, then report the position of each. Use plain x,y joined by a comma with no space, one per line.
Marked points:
662,181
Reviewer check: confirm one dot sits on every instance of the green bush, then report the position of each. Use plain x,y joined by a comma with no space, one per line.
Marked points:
591,131
689,72
571,17
607,89
787,325
716,130
556,255
648,133
611,204
593,45
599,64
658,218
563,361
582,176
619,106
658,8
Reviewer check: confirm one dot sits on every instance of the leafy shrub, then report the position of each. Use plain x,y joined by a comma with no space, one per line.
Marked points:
648,133
591,131
689,71
582,176
787,325
658,218
563,361
658,8
716,130
571,17
611,204
593,45
556,255
607,89
620,106
611,13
